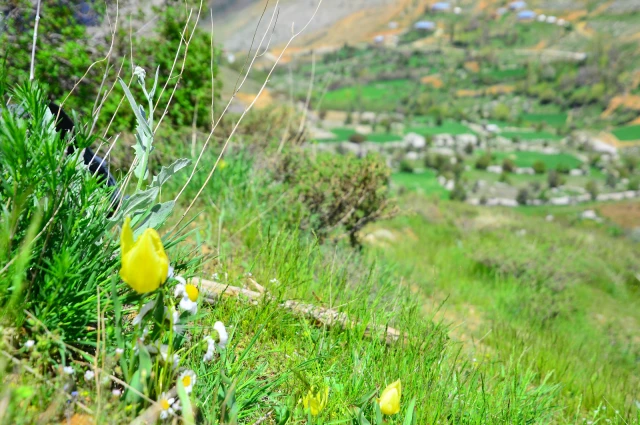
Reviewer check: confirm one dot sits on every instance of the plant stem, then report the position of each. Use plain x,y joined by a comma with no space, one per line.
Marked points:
33,46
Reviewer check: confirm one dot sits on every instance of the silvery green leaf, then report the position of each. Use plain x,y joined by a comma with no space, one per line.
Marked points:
155,84
142,122
137,203
155,218
166,172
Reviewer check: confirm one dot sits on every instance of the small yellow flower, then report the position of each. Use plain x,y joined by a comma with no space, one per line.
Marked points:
223,164
192,291
188,379
389,400
145,265
166,406
315,403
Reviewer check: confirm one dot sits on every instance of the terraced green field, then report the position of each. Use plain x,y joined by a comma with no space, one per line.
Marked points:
378,96
425,182
554,120
530,135
447,127
343,134
551,161
628,133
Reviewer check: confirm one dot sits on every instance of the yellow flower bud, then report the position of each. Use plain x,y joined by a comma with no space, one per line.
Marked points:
145,265
389,400
315,403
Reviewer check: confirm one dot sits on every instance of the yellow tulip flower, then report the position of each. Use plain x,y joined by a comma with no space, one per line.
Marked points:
389,400
145,265
315,403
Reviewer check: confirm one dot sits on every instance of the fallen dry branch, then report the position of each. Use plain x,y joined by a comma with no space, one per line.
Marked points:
322,316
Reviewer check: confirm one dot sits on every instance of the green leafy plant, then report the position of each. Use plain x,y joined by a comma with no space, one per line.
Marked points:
336,192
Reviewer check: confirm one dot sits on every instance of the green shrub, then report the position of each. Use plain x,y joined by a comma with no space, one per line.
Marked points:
554,179
483,162
539,167
63,53
501,112
508,165
458,193
592,188
634,184
523,196
357,138
406,166
611,180
56,223
330,192
563,169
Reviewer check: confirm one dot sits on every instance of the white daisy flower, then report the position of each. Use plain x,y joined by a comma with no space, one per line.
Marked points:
68,370
189,300
143,311
29,344
211,349
222,333
179,289
187,305
188,379
88,375
166,404
170,272
116,392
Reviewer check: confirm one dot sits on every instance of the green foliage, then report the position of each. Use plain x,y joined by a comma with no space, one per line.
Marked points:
406,166
523,196
611,180
459,193
508,165
592,189
554,179
331,192
72,254
501,112
539,167
483,162
63,51
357,138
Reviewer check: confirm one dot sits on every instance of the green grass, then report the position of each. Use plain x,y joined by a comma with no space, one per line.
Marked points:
447,127
512,297
505,74
343,134
377,96
424,182
554,120
628,133
551,161
530,135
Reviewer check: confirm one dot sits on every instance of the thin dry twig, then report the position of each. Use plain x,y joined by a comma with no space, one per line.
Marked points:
323,316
